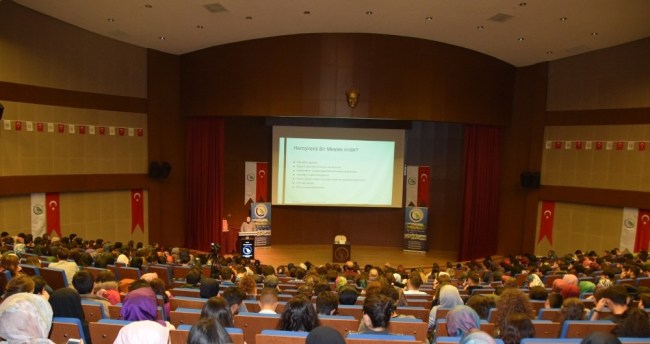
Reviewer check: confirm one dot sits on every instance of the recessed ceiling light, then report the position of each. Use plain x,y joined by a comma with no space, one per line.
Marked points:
563,18
429,18
480,27
111,20
522,4
249,17
594,33
162,38
148,6
306,12
549,52
369,13
199,26
521,39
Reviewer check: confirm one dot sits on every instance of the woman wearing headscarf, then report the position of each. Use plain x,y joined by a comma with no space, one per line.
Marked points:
534,281
140,304
145,331
461,320
66,302
449,298
570,279
25,317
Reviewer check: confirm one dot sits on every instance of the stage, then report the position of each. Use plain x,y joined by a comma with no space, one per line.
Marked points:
320,254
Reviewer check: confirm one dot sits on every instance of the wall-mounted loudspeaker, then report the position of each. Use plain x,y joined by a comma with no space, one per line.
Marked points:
159,170
530,179
2,109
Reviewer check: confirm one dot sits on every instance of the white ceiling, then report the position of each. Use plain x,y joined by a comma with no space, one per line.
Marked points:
187,25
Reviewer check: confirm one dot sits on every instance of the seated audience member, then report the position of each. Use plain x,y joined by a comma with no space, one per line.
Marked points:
644,300
19,284
607,279
599,337
271,281
481,304
554,300
534,281
158,286
573,309
83,282
209,288
192,279
327,303
517,326
70,268
218,308
478,337
41,288
66,302
10,262
348,295
25,318
208,331
413,284
145,331
107,287
616,299
449,298
634,324
324,335
538,293
268,301
570,290
249,286
140,304
473,282
512,301
461,320
586,287
299,315
235,297
377,312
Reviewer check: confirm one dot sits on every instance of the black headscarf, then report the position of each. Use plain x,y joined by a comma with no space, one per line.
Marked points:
66,302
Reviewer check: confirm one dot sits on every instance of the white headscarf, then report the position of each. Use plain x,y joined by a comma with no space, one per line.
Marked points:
144,331
25,317
450,297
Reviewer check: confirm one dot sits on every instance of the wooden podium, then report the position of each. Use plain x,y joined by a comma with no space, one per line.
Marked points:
341,253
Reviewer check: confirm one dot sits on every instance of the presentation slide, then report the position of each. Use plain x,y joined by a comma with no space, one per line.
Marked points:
337,167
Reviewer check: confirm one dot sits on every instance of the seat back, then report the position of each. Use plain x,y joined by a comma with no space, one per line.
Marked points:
179,272
344,324
441,327
93,270
93,310
253,323
30,270
163,272
5,277
186,302
55,278
127,272
360,338
188,292
547,329
552,314
64,328
105,331
280,337
583,328
353,310
410,327
179,335
184,316
418,312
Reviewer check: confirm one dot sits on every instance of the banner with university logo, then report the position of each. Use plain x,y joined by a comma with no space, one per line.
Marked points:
46,213
415,229
635,229
417,186
256,183
261,217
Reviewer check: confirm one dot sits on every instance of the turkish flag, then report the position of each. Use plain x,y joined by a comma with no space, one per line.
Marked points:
82,129
137,210
102,130
53,213
619,145
61,128
424,174
578,144
558,144
120,131
140,131
599,145
19,125
642,231
641,146
39,127
261,186
546,221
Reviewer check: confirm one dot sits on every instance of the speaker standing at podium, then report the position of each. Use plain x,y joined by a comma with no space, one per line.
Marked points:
247,226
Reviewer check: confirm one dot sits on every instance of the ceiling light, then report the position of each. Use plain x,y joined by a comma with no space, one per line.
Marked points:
563,18
480,27
306,12
521,39
249,17
429,18
162,38
369,13
594,33
199,26
111,20
549,52
148,6
522,4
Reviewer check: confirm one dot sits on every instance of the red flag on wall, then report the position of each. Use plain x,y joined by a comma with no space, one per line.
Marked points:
642,231
546,221
53,213
137,210
424,173
261,181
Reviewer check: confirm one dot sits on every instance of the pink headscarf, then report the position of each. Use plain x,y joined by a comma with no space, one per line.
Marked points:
570,279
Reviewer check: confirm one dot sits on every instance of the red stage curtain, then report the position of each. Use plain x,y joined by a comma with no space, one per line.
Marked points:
480,221
204,182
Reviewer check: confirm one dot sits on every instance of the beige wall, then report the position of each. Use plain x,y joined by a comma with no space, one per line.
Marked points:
54,59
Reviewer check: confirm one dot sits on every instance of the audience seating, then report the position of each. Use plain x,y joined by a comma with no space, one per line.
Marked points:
64,328
254,323
441,327
163,272
105,331
548,280
55,278
186,302
407,326
184,316
180,334
418,312
353,310
93,310
253,306
456,340
552,314
280,337
188,292
114,312
5,277
546,329
643,282
551,341
344,324
30,270
93,270
127,272
582,328
179,272
359,338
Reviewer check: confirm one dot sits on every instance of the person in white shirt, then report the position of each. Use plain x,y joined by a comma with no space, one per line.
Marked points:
247,226
413,284
268,301
70,268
